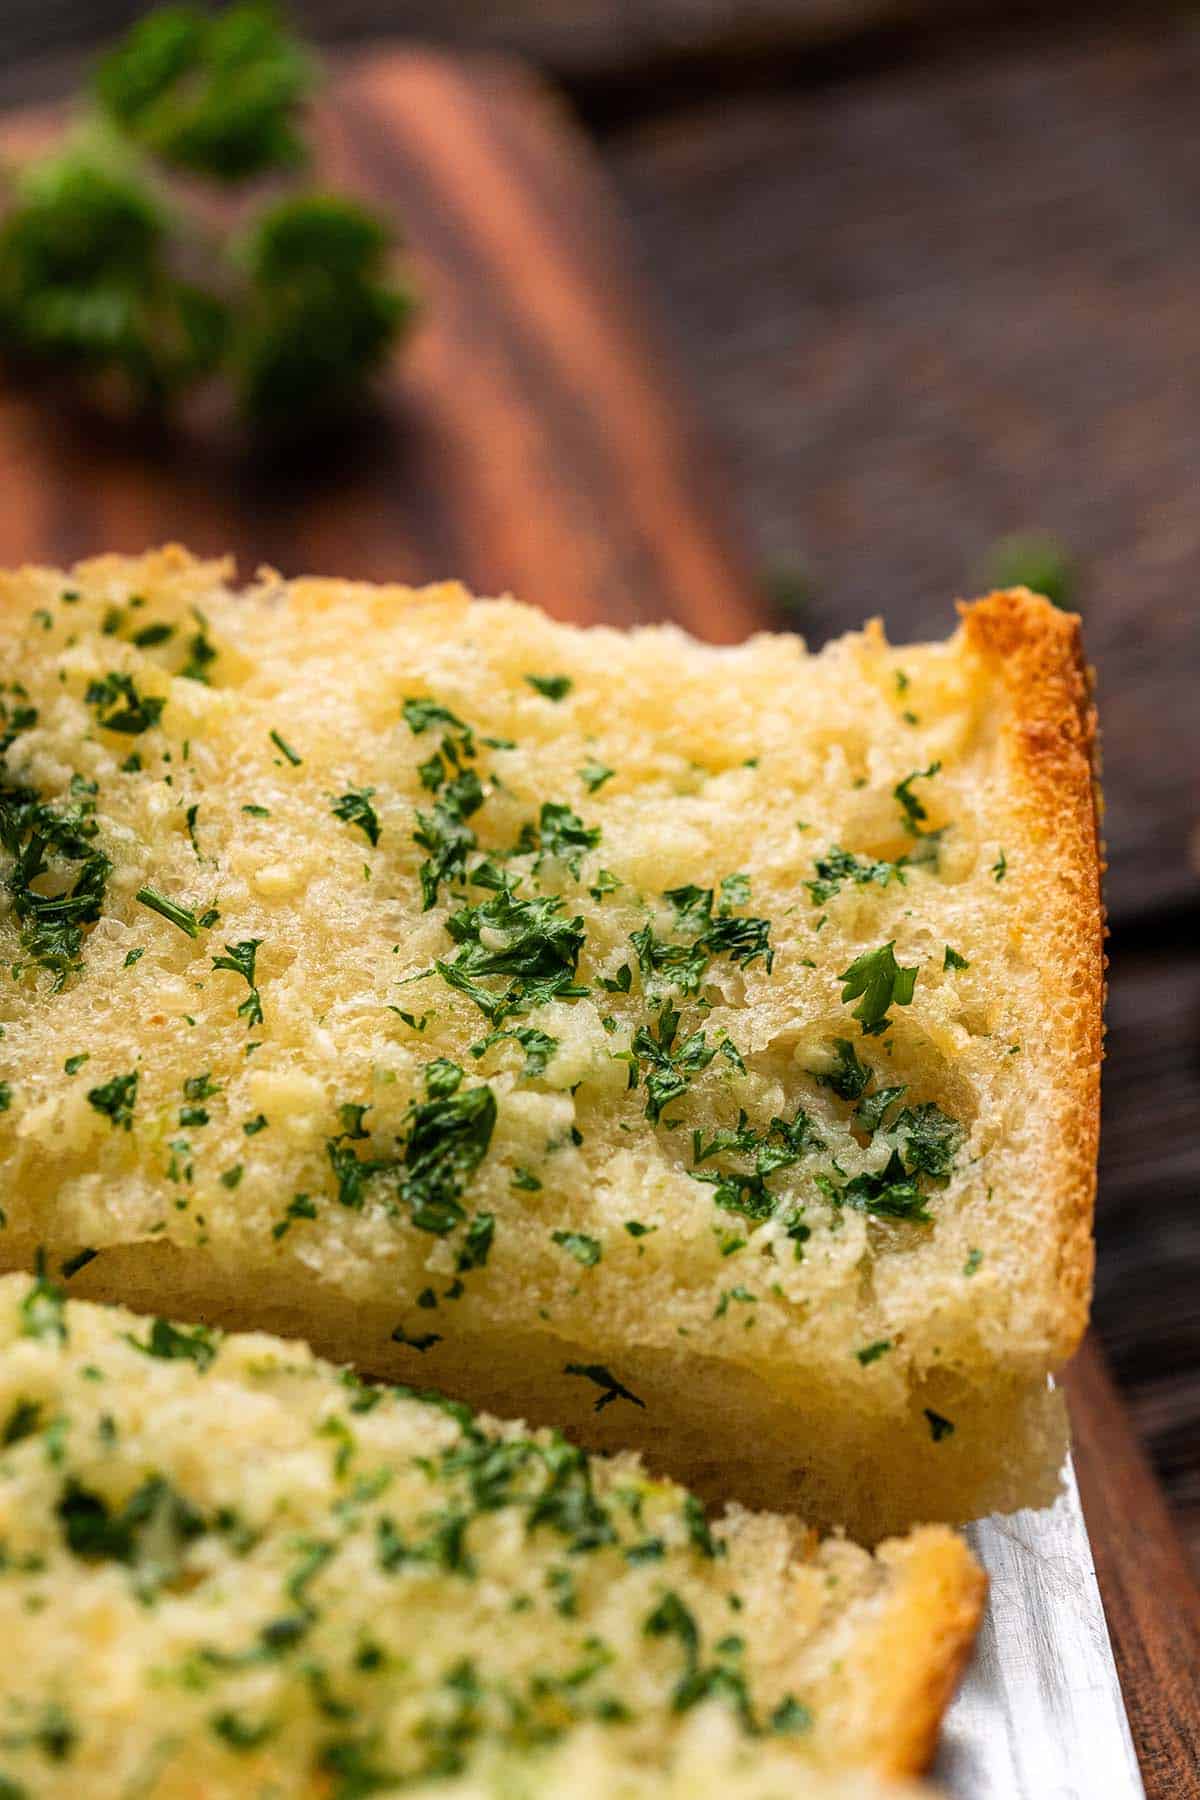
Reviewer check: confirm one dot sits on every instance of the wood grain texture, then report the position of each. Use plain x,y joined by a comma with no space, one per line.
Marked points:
534,438
1151,1602
953,300
1147,1305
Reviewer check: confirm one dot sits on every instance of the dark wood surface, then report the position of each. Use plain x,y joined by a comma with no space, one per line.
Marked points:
534,437
1152,1603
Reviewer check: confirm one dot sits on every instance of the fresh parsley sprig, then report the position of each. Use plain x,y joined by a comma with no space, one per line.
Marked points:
109,278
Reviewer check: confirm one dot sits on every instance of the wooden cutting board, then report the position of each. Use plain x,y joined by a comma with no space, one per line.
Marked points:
533,438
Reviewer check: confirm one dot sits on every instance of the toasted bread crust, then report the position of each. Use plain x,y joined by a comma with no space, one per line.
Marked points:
1051,737
924,1645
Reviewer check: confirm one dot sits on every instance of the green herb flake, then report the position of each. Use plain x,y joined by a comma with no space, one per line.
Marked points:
878,982
120,707
606,1381
552,687
587,1251
116,1100
285,749
952,960
181,916
354,808
872,1352
240,959
594,775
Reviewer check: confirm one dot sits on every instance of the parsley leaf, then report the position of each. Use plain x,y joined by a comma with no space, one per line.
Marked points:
891,1193
594,775
116,1100
878,982
913,812
849,1078
611,1388
838,866
528,942
131,713
538,1046
285,749
354,807
239,959
586,1250
931,1140
172,1344
182,916
561,833
553,687
36,834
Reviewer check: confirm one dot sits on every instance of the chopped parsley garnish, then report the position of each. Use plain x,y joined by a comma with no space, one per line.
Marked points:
5,1095
37,835
849,1077
553,687
594,775
973,1262
913,812
239,959
878,982
606,1381
667,1065
538,1046
791,1717
425,1341
152,1528
116,1100
445,834
952,960
477,1242
119,706
201,652
684,965
931,1140
448,1137
891,1193
181,916
354,808
300,1206
838,866
939,1427
172,1344
285,749
872,1352
586,1250
999,868
151,635
562,834
43,1308
526,943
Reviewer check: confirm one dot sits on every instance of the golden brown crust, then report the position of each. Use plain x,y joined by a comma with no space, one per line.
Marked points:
913,1665
1036,654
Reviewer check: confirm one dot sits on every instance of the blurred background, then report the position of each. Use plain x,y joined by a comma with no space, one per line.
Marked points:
903,298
